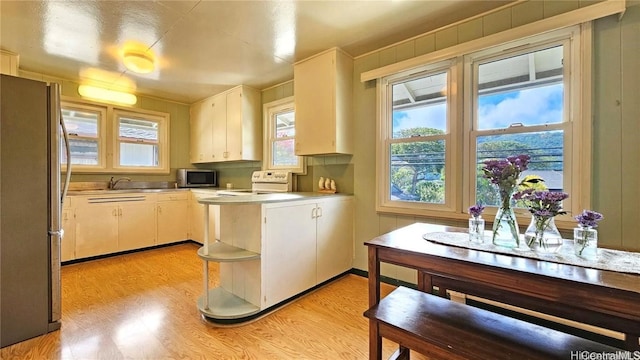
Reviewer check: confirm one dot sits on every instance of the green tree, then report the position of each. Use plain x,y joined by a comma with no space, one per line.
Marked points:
415,161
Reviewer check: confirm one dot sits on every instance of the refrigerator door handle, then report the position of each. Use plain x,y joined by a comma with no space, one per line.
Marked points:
56,197
67,178
59,233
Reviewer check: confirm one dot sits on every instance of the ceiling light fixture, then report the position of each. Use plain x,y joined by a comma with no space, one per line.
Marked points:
141,62
98,93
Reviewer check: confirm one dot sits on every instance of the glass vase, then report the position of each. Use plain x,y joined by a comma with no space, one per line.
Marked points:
585,242
476,229
542,235
505,228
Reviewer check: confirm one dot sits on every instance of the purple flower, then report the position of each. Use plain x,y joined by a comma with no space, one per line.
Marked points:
542,204
589,218
523,194
476,210
504,174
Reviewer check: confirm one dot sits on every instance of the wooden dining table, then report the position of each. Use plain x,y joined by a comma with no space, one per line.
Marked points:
602,298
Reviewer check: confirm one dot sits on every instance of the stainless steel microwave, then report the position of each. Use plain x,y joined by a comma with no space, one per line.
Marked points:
196,178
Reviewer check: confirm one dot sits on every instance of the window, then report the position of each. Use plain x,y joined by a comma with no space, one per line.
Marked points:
85,126
138,144
417,136
279,125
519,109
521,97
138,141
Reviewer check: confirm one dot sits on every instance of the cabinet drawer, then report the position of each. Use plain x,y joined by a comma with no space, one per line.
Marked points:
171,196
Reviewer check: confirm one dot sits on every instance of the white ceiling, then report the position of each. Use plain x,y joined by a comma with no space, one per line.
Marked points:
205,47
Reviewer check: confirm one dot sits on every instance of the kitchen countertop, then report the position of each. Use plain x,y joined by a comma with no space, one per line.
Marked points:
263,198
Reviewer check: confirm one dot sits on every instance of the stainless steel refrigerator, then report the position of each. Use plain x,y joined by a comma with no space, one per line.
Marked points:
31,198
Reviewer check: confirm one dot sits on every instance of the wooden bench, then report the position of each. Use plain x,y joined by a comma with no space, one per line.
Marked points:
441,328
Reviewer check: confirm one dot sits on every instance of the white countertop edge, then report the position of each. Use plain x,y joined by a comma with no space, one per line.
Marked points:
264,198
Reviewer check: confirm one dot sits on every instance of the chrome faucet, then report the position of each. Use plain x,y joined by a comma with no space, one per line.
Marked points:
113,184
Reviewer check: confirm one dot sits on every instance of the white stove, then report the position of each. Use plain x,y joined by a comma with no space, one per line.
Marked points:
265,182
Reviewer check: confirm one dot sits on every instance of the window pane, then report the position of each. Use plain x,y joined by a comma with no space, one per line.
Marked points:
525,89
285,122
83,152
136,129
417,171
545,148
81,122
138,154
420,106
283,153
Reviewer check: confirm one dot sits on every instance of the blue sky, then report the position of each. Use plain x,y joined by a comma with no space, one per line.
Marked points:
434,116
534,106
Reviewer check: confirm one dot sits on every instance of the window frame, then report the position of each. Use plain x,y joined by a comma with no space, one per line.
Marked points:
101,135
384,203
270,109
163,140
577,123
108,138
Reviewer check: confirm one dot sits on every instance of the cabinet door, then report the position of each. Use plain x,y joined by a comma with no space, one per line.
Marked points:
289,257
315,105
196,221
219,125
8,63
201,130
334,237
68,242
96,230
234,125
173,221
136,225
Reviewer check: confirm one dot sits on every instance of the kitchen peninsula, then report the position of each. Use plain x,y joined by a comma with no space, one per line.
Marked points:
272,248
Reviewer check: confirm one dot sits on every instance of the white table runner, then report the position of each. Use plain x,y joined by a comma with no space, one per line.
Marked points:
612,260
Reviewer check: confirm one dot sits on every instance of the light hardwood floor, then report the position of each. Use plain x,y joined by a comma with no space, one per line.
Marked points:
143,306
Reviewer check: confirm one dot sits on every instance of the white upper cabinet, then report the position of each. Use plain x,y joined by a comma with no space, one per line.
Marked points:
323,98
244,124
8,63
227,127
201,125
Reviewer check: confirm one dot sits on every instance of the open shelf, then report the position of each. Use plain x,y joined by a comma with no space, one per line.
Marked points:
225,305
221,252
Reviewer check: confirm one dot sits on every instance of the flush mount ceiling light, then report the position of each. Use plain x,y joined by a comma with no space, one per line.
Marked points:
141,62
98,93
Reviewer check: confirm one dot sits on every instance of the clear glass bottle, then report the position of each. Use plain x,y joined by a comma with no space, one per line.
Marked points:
585,242
542,235
476,229
505,229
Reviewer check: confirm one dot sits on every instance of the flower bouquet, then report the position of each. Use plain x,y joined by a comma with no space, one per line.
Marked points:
585,237
504,175
542,234
476,223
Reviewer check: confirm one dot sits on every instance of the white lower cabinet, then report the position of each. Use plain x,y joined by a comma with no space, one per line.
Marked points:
173,217
109,223
96,229
289,258
334,237
136,225
196,215
271,252
68,242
